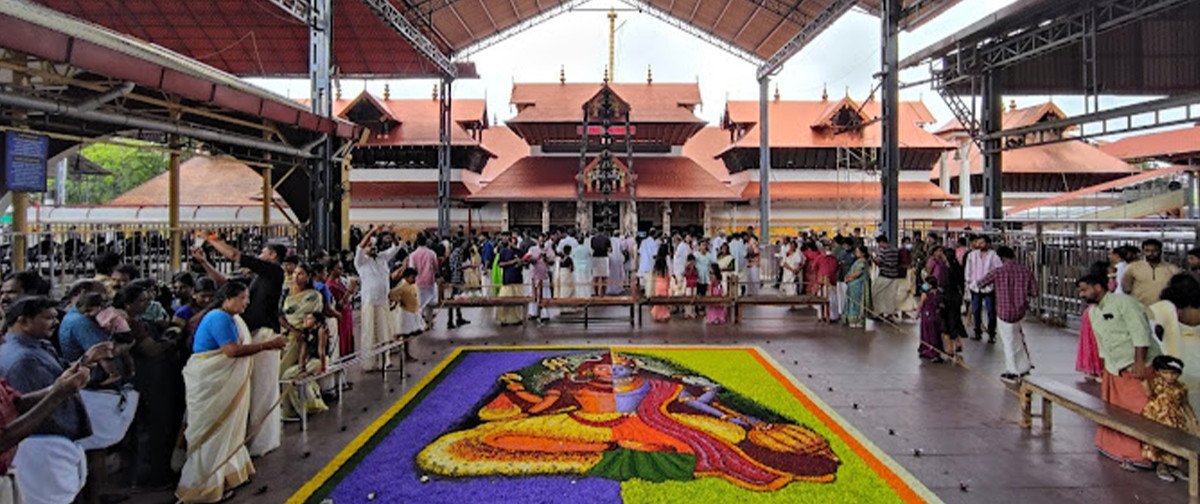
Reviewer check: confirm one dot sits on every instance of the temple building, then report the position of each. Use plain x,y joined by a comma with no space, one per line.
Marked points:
1031,174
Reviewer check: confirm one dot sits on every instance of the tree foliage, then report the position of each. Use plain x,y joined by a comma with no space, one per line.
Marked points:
130,166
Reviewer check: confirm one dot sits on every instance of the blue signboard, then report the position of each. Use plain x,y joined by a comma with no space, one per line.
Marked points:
25,162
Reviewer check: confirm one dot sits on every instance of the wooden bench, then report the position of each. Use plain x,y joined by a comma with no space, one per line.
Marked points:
1169,439
592,302
801,300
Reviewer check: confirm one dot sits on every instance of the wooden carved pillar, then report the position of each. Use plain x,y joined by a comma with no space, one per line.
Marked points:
545,216
504,217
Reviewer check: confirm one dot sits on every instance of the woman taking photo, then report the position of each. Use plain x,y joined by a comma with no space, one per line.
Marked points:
217,377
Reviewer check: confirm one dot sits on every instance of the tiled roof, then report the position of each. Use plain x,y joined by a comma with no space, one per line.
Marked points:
909,191
1154,145
1072,156
367,193
649,103
553,178
704,147
1013,117
418,119
791,126
203,181
508,148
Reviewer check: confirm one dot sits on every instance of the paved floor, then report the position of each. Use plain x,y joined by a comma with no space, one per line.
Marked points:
954,428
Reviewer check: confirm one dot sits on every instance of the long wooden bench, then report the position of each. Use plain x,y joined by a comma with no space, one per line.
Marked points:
801,300
592,302
1169,439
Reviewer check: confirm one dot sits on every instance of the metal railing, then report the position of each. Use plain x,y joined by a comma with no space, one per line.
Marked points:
1059,252
65,253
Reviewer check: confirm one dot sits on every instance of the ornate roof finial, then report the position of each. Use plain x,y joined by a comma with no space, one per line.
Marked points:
649,75
1012,105
606,74
825,92
776,91
847,90
435,91
562,74
387,92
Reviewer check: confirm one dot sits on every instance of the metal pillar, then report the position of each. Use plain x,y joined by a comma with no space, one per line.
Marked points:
764,163
268,193
890,148
444,122
993,182
173,202
324,190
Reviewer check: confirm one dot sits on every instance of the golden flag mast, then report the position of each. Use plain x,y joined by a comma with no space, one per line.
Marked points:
612,33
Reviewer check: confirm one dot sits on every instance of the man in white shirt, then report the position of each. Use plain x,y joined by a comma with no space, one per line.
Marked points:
378,324
679,262
980,262
717,241
647,252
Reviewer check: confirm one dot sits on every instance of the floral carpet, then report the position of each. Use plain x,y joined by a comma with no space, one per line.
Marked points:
628,424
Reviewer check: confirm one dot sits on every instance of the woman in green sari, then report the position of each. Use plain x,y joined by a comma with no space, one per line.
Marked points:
303,300
858,289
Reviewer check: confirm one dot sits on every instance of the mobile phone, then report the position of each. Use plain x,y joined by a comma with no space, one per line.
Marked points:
199,242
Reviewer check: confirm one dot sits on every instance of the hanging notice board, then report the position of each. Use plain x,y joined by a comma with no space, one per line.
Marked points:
25,161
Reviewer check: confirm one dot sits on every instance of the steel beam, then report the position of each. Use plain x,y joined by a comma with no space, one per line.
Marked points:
320,57
541,17
890,147
764,161
394,19
993,177
1188,107
299,9
695,31
806,35
444,124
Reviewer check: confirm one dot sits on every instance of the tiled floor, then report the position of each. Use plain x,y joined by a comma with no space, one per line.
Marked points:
954,428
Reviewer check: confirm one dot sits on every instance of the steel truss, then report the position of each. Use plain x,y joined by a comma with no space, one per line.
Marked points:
1125,117
518,28
444,124
690,29
388,13
814,27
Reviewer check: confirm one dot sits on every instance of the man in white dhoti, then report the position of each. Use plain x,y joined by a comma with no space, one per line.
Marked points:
262,317
52,467
647,252
378,324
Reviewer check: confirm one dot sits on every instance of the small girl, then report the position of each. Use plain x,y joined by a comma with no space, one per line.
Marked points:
662,288
691,279
95,305
715,314
1168,406
405,295
931,321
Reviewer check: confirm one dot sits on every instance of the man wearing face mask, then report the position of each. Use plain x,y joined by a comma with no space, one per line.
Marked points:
1145,279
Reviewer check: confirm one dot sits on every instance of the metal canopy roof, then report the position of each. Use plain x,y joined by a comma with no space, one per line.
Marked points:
258,38
1135,55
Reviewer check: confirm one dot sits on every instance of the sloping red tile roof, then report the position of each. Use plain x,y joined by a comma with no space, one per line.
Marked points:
704,147
1013,117
1154,145
791,126
203,181
909,191
1068,157
1087,191
649,103
418,119
508,148
553,178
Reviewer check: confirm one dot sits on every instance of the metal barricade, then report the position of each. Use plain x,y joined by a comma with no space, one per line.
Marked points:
63,254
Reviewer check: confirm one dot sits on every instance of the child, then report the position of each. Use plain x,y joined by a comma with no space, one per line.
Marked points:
314,352
662,288
691,279
931,321
405,294
1169,406
113,321
715,314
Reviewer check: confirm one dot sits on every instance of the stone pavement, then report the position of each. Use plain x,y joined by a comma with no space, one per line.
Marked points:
955,429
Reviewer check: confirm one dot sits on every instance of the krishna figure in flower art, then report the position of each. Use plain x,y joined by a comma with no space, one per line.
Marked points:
625,416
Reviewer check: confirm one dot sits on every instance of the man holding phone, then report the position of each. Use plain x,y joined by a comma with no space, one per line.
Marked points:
378,324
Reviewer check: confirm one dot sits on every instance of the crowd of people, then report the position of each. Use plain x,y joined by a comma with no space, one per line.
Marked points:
183,380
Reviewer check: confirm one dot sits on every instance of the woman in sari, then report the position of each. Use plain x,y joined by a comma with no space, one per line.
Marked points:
217,377
811,256
302,300
471,276
314,352
728,265
662,288
858,291
341,298
512,285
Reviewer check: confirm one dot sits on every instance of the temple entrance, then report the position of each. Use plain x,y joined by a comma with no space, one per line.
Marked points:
687,217
525,216
562,214
606,215
649,216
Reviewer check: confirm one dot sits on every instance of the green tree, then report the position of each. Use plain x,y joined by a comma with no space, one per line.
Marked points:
131,166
